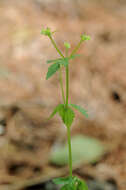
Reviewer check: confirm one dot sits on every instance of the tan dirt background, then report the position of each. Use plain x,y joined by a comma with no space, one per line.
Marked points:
98,82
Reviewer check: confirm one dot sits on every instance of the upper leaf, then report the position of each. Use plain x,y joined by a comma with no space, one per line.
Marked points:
62,61
80,109
54,60
52,69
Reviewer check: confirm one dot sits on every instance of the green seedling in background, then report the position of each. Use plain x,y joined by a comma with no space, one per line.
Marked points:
65,110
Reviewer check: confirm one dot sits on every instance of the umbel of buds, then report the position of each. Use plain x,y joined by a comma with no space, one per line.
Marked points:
47,32
85,37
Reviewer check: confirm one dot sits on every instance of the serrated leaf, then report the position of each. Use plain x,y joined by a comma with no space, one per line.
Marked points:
56,109
80,109
67,115
52,69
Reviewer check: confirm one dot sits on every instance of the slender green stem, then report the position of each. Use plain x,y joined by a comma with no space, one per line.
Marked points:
67,80
67,85
60,72
76,48
70,152
68,128
61,84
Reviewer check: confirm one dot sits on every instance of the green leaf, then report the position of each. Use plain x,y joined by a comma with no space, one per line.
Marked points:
82,185
61,61
54,60
52,69
56,109
71,183
80,109
67,187
67,115
74,56
64,61
79,184
62,180
62,111
67,182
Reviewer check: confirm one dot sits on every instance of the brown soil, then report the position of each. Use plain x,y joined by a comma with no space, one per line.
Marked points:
98,82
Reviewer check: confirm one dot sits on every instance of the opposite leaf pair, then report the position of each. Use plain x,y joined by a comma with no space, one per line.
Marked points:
71,183
57,63
67,114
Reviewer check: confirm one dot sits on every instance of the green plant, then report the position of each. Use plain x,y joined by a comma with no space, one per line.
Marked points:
65,109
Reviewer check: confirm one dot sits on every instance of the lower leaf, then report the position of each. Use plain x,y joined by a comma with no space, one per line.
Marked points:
67,115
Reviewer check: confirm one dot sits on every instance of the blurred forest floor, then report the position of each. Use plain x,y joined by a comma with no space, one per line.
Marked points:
98,82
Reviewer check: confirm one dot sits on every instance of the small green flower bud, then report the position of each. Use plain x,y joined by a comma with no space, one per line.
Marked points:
85,37
46,32
67,45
